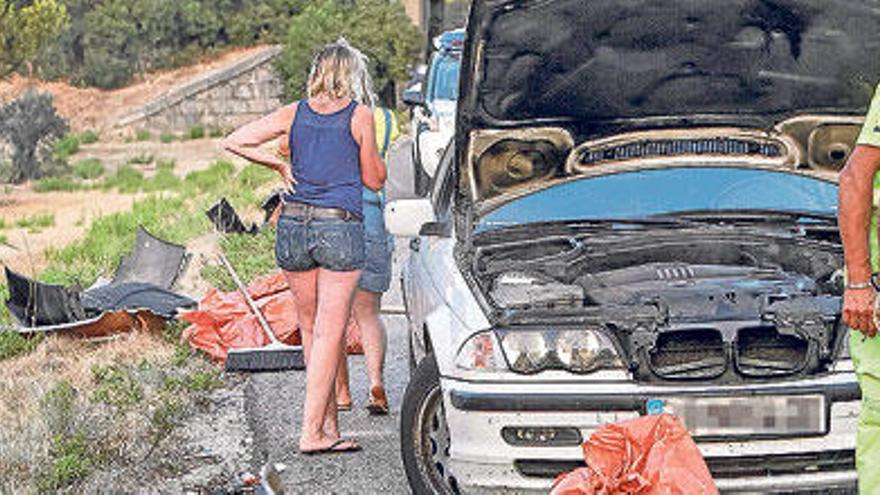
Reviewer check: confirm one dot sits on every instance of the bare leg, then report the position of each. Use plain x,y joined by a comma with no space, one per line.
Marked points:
335,290
343,391
304,286
366,312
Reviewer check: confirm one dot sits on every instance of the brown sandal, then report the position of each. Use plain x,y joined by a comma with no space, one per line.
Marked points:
378,402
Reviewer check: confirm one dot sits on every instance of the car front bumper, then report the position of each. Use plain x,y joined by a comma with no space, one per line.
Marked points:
483,462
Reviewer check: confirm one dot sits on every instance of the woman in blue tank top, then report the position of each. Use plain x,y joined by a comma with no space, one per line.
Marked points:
319,243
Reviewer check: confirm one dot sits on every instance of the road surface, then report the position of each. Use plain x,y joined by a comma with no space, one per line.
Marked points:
274,402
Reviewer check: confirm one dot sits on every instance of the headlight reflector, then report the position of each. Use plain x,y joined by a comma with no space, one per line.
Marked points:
578,351
480,352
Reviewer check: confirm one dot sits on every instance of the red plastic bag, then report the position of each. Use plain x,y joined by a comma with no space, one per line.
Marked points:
650,455
224,321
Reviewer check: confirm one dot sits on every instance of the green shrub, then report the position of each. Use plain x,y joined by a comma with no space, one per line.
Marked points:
116,385
126,179
142,135
164,180
72,461
197,132
66,146
167,137
90,168
140,159
212,177
215,132
14,344
32,127
88,137
36,223
48,184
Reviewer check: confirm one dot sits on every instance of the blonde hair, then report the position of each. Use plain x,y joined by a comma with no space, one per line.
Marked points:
361,82
333,70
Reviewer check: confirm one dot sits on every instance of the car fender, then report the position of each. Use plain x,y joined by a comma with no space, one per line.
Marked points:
451,312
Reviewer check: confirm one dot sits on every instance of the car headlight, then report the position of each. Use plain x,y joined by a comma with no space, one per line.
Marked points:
578,351
480,352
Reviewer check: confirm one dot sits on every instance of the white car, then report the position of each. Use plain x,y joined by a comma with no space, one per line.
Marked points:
433,122
637,215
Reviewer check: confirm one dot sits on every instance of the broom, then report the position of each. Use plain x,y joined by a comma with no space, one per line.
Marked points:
276,356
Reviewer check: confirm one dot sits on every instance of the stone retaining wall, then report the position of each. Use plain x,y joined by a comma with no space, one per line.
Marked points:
223,98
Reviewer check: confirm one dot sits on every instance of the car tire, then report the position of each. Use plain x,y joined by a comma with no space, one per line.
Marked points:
424,435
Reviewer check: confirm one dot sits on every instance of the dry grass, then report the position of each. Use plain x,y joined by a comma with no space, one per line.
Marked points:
79,406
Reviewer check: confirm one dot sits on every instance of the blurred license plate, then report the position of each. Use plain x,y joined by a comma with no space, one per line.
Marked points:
749,416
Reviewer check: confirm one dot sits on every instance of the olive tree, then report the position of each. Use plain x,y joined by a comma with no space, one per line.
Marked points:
30,125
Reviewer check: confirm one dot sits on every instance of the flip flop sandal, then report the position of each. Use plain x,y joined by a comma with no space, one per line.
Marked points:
378,405
334,448
343,407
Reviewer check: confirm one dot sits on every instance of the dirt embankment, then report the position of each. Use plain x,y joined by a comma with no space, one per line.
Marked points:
96,109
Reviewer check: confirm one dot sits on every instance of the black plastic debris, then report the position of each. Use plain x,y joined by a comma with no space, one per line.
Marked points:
132,296
270,204
139,291
226,220
152,261
34,303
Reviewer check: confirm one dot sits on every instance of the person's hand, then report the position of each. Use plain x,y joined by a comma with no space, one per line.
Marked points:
287,176
858,310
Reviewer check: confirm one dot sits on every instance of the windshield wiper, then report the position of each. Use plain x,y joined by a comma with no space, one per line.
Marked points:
753,215
568,227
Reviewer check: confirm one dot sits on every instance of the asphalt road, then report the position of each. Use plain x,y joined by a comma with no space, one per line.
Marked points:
274,402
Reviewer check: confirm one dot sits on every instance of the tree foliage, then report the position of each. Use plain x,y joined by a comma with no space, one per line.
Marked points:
25,28
379,28
31,127
110,41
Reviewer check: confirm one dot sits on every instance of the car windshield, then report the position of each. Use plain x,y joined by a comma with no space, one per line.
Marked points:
444,77
649,193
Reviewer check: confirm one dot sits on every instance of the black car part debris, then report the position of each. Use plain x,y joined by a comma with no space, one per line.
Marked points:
34,303
270,204
226,219
139,293
152,261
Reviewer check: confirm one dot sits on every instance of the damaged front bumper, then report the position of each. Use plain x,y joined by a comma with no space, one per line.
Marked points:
484,460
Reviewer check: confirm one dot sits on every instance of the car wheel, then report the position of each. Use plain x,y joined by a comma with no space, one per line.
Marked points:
424,435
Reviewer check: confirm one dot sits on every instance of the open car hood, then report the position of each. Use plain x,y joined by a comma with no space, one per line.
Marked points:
743,72
607,61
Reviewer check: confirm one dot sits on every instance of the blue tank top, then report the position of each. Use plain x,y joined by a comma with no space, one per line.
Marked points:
325,160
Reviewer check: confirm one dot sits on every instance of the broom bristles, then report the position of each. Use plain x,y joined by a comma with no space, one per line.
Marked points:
265,359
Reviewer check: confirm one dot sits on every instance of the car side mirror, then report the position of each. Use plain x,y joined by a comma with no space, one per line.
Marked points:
413,96
407,217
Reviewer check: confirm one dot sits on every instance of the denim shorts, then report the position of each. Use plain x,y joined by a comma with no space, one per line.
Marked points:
376,276
302,244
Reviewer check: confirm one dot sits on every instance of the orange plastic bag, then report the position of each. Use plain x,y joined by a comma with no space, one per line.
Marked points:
224,321
650,455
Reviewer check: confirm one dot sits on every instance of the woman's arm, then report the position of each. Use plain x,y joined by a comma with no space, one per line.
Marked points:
245,141
363,129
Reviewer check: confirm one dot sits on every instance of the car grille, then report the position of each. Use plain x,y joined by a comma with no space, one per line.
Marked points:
702,354
691,354
763,352
674,147
722,467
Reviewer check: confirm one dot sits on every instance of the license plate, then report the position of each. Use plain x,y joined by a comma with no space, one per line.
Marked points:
747,416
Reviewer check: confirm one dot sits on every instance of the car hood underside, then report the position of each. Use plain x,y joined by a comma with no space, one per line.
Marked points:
607,63
710,304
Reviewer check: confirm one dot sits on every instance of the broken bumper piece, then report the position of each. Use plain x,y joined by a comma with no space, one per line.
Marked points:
139,295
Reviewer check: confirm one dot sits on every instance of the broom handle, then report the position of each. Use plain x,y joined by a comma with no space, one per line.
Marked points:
244,292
